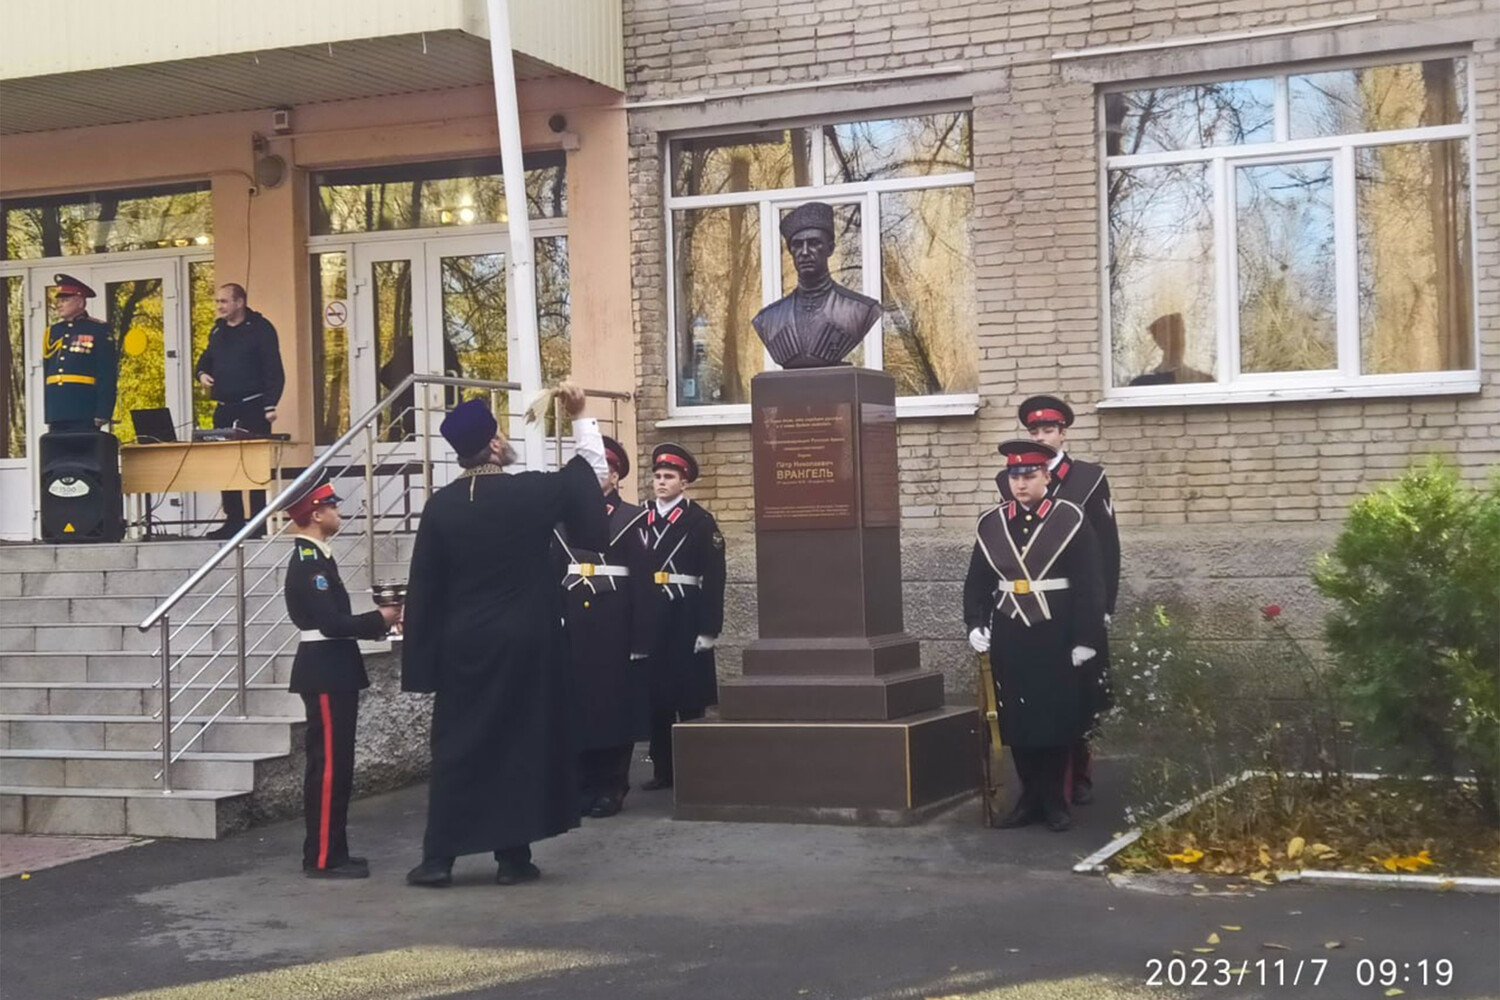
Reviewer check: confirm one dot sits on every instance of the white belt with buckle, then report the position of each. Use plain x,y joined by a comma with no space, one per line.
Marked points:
313,635
597,569
1032,586
679,578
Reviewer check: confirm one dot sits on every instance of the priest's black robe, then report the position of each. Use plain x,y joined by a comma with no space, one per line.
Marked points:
483,629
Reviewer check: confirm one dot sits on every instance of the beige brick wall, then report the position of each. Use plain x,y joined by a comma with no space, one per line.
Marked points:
1036,240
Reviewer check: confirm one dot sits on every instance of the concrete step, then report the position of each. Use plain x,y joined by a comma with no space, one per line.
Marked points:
138,700
100,637
63,768
86,610
141,812
227,734
139,666
182,556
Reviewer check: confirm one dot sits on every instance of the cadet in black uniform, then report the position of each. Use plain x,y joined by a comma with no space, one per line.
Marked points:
599,606
79,360
328,673
1034,600
1047,419
683,603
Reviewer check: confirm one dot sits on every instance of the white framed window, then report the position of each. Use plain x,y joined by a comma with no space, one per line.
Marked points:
1298,233
902,189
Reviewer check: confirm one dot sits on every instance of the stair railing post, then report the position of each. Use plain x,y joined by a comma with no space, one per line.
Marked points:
166,704
370,503
426,443
239,628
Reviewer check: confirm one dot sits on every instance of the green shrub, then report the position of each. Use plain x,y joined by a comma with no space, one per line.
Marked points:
1415,632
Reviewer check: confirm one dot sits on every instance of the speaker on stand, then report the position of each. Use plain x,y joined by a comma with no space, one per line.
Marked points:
81,497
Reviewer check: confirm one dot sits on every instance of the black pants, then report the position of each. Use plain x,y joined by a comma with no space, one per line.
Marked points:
330,776
604,772
1081,766
661,738
252,417
1043,772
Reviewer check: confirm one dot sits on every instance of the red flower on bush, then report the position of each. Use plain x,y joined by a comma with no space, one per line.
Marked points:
1271,612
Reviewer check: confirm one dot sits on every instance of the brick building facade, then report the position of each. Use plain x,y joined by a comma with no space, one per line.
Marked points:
1225,490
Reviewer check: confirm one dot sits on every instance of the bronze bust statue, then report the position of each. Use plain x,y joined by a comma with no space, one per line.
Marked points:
820,321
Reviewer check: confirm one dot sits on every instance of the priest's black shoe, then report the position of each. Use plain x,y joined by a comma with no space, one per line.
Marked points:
514,873
352,868
432,874
606,805
656,784
1023,814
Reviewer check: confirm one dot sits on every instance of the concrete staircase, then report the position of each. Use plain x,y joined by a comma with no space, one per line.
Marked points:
77,694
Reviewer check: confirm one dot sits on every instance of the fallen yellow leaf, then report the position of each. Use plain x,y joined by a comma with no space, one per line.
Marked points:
26,876
1188,856
1213,938
1294,848
1273,946
1331,945
1204,951
1322,852
1231,927
1263,877
1394,991
1265,856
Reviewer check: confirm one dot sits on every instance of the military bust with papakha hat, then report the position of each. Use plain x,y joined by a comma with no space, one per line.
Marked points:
821,321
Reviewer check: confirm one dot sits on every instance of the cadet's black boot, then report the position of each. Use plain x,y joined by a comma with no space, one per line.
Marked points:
1058,817
1024,813
432,873
351,868
1083,791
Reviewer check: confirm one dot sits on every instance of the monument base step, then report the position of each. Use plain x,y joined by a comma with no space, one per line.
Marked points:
830,699
890,773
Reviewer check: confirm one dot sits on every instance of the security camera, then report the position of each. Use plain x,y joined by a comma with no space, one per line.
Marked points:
557,123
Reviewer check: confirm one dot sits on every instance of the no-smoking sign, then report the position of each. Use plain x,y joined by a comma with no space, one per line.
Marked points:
336,312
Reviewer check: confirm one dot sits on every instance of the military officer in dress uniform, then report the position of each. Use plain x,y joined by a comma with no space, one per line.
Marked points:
1034,600
683,603
328,672
79,361
1047,419
599,606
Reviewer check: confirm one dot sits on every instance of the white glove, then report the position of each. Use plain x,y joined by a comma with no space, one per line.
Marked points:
1107,619
704,643
979,640
639,656
1082,655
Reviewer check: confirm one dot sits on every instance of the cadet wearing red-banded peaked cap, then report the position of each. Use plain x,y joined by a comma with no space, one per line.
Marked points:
676,458
1045,410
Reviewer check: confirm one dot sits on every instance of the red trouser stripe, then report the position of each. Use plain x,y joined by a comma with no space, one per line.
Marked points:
327,801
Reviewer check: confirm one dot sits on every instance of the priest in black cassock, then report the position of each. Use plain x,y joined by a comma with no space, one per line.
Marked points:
483,631
1034,600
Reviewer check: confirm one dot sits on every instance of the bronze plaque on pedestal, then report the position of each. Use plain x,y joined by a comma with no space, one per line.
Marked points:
804,467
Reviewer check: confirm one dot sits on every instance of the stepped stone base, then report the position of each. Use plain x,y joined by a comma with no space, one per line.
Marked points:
870,773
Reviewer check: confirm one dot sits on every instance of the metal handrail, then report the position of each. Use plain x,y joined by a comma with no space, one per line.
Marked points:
373,514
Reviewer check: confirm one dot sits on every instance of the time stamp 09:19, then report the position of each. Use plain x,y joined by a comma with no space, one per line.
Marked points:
1296,972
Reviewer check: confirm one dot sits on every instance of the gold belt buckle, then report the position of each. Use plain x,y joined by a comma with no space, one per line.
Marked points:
661,577
1023,586
585,569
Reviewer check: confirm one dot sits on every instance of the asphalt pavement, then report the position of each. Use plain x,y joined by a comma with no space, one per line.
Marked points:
642,906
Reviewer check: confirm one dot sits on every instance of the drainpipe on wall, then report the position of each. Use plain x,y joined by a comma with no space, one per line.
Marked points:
525,348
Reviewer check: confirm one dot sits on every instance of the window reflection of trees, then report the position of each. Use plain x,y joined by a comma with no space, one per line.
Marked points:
137,306
12,368
1287,283
927,291
428,196
107,222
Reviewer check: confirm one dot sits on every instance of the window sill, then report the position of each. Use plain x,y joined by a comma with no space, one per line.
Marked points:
1447,384
916,408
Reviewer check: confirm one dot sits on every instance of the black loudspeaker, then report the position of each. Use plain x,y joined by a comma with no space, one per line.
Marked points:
81,498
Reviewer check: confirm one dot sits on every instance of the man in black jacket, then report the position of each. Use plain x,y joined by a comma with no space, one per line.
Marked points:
241,369
328,672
